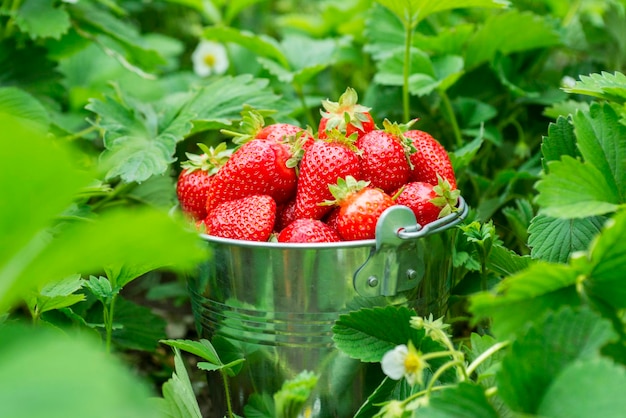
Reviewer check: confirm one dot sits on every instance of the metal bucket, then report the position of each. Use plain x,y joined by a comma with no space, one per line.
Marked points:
276,304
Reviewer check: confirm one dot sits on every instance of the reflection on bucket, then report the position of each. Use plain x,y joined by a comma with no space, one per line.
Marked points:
275,304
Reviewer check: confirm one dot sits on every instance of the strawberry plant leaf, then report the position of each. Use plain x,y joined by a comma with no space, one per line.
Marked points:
381,394
41,19
202,348
607,86
179,397
607,263
522,298
600,140
575,189
576,392
561,140
262,45
57,295
140,142
542,352
118,38
220,101
466,400
367,334
20,104
571,234
62,365
137,327
411,12
506,262
506,33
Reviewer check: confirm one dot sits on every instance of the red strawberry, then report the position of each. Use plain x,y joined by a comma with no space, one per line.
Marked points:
322,164
193,182
429,159
428,202
256,167
308,230
250,218
346,115
360,206
252,126
285,214
385,157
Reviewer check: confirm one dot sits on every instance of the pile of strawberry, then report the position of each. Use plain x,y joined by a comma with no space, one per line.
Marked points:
287,184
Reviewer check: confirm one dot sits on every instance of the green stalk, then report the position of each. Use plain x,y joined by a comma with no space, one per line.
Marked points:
408,40
8,30
229,405
108,323
305,108
453,121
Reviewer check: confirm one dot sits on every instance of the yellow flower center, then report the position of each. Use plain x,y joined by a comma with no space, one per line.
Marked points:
209,60
412,363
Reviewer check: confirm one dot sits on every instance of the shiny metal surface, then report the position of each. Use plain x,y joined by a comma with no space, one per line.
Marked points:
276,304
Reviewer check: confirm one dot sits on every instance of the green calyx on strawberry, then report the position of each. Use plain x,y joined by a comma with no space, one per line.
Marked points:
210,161
360,207
193,183
428,202
322,164
345,115
398,131
447,197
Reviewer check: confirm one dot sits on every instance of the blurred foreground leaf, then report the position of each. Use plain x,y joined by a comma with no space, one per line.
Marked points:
45,374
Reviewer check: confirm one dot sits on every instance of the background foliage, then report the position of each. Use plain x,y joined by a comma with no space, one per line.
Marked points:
99,104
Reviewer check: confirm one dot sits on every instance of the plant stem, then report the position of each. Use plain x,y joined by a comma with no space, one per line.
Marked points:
453,121
305,108
108,322
8,30
229,405
440,371
408,40
485,355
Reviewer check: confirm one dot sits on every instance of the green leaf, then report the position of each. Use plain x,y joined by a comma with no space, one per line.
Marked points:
539,355
40,19
62,367
178,392
203,349
19,104
117,38
605,280
486,370
59,294
381,394
55,182
221,101
467,400
410,12
367,334
506,262
138,327
463,156
101,288
140,142
555,239
589,388
506,33
575,189
522,298
607,86
293,394
560,141
601,142
262,45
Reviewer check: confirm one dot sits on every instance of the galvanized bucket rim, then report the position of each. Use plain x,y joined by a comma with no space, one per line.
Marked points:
412,231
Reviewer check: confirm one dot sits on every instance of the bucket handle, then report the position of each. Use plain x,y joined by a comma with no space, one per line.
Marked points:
448,221
393,267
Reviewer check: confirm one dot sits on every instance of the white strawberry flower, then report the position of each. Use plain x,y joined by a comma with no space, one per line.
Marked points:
208,58
404,361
